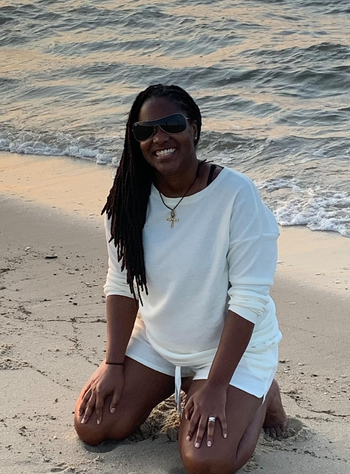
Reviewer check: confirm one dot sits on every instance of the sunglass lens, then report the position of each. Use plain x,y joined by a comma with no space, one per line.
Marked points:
173,124
142,132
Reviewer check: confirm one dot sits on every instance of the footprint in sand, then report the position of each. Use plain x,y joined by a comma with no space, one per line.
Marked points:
295,430
63,467
294,427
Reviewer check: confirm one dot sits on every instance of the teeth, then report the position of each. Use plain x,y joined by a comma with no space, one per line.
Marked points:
168,151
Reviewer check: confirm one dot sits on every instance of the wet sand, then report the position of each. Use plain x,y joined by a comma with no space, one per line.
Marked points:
52,315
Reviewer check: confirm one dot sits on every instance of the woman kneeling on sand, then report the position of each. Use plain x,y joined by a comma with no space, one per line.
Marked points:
192,255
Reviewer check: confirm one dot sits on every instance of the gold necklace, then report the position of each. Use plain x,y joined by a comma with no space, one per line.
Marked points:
172,219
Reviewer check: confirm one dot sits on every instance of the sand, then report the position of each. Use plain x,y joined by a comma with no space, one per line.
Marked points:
52,316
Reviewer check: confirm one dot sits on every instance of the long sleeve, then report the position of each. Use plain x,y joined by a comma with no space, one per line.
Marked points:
252,254
116,283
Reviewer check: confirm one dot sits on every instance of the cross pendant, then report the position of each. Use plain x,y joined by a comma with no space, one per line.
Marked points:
172,218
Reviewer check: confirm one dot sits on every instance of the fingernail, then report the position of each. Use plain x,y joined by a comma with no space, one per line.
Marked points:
98,422
112,410
188,438
83,420
186,416
225,435
197,445
209,444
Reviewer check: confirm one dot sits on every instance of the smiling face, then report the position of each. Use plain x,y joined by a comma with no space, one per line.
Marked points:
169,154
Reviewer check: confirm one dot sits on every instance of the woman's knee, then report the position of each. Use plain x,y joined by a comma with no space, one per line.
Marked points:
88,433
196,462
94,434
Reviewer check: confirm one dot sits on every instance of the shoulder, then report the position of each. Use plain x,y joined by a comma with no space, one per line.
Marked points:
238,185
234,176
246,203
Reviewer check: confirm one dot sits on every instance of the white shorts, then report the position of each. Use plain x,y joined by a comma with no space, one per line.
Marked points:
254,373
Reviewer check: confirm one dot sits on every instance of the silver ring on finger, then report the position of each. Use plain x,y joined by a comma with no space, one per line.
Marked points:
211,419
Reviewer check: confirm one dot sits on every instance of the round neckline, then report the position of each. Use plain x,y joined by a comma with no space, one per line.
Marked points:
194,197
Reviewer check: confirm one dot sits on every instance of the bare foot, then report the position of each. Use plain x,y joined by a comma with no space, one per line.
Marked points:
276,420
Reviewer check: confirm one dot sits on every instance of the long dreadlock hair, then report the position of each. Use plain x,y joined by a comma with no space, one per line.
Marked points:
127,202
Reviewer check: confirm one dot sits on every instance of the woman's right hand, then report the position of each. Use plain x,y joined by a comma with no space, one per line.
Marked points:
106,380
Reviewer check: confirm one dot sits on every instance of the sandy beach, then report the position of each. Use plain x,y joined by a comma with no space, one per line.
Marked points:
53,263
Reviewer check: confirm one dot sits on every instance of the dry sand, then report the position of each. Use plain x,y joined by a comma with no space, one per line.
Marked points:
52,268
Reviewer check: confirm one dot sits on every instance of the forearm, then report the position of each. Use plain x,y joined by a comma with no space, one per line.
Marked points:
234,341
121,315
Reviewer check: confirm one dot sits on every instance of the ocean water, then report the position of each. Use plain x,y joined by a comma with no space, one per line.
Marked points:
272,79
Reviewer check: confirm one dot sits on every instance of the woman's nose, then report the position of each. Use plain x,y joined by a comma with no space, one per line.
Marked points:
159,135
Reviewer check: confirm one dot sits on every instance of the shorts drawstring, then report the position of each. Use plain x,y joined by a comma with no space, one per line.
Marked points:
178,388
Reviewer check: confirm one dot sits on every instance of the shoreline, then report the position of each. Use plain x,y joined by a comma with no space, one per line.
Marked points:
53,332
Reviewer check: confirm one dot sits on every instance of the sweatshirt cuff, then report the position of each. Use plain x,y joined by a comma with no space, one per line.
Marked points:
244,313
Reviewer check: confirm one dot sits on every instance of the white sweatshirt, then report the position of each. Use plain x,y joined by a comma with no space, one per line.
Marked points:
221,255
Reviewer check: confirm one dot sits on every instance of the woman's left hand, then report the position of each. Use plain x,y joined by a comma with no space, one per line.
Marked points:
208,401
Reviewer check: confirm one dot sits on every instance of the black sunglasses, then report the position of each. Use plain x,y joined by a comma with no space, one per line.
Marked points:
175,123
